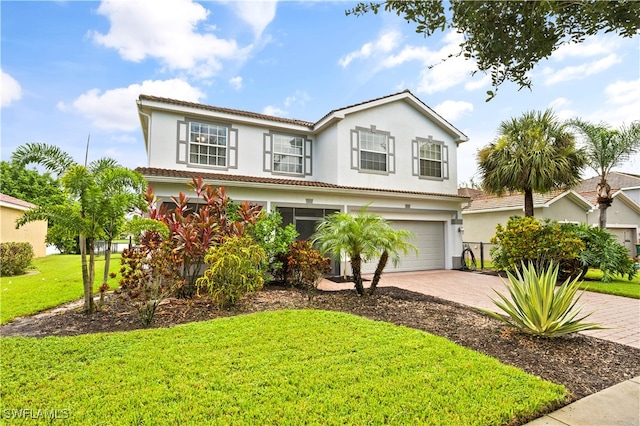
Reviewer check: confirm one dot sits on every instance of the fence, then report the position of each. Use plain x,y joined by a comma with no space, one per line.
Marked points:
101,246
480,253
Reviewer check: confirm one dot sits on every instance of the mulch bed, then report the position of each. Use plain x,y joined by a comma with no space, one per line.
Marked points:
583,364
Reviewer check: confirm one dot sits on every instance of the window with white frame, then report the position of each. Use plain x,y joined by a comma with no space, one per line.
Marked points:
288,154
430,159
208,144
373,150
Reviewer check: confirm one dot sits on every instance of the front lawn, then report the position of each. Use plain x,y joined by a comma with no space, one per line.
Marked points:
57,279
619,287
282,367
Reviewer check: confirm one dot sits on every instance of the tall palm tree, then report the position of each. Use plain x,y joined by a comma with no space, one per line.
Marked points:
354,236
392,243
99,194
533,153
606,148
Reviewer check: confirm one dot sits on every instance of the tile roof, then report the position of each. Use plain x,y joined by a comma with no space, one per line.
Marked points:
471,193
16,201
308,124
616,180
226,110
510,200
186,174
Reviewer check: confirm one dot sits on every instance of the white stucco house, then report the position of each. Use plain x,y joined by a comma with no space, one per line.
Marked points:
392,153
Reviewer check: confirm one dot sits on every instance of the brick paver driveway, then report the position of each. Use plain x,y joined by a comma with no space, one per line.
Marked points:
620,314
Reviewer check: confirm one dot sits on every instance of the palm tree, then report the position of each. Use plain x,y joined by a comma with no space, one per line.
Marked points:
533,153
99,196
392,243
606,148
354,236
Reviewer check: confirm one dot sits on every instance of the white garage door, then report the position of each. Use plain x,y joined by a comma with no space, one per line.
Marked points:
428,238
625,237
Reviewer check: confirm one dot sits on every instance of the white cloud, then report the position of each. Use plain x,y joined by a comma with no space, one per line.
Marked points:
387,41
561,108
115,109
274,111
10,89
258,14
477,84
593,46
236,82
578,72
141,29
623,103
452,110
300,97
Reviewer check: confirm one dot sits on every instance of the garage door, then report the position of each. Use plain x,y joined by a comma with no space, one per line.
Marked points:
428,238
625,237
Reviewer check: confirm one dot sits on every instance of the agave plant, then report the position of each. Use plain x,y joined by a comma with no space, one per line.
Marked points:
536,307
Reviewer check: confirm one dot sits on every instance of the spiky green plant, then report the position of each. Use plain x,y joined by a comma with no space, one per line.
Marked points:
536,307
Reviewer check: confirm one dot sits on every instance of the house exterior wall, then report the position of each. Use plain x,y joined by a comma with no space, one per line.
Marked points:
33,232
622,221
331,157
564,210
397,208
331,153
404,124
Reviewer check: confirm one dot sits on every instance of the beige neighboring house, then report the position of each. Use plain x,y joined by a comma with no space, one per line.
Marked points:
578,205
11,209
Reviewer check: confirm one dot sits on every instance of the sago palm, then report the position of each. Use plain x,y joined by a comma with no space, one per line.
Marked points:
533,153
605,149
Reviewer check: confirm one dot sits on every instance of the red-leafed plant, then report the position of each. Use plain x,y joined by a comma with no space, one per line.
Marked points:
193,232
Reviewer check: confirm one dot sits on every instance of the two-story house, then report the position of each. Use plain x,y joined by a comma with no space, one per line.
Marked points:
393,153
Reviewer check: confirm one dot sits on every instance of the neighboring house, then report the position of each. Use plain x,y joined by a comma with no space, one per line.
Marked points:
393,154
578,205
11,209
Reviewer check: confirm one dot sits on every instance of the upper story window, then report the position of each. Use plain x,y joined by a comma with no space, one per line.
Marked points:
430,159
287,154
208,144
372,151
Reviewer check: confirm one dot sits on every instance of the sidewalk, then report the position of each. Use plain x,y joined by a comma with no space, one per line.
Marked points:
617,405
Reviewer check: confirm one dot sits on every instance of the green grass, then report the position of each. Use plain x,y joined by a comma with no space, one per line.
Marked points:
619,287
282,367
57,280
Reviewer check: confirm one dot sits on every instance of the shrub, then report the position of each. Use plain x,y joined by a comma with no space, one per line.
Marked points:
536,307
526,240
194,231
603,251
304,266
15,258
235,270
274,239
150,273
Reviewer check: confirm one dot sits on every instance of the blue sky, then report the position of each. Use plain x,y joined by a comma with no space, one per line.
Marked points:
70,69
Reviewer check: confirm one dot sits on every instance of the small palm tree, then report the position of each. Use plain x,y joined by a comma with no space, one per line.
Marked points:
392,243
533,153
606,148
100,194
354,236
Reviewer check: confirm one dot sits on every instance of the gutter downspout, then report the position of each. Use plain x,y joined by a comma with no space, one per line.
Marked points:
148,142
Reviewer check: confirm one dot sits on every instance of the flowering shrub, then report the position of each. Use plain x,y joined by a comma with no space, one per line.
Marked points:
15,258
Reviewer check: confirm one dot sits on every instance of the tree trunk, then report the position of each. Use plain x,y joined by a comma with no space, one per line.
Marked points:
602,219
107,263
384,258
356,263
86,280
528,202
